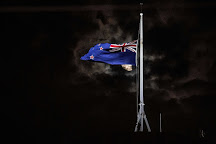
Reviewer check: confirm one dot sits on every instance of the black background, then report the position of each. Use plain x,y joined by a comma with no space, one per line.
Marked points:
49,95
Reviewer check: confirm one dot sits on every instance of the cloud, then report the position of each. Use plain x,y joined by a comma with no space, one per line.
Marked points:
174,57
108,31
127,67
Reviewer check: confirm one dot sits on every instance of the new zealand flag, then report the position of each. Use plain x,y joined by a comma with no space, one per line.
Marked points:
115,54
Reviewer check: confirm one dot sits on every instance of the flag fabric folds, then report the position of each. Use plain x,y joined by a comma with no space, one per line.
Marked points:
114,54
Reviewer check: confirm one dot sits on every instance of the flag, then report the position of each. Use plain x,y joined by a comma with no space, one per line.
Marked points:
114,54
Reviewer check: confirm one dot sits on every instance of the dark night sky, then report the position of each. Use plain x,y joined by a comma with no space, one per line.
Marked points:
48,90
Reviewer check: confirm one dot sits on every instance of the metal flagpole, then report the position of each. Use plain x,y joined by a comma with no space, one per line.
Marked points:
141,114
160,124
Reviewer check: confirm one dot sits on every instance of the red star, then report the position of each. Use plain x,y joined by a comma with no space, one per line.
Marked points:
101,48
92,57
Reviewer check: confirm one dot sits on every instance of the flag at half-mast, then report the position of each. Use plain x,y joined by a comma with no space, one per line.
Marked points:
115,54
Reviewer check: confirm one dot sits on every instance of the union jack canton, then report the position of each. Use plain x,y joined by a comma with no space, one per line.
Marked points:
129,46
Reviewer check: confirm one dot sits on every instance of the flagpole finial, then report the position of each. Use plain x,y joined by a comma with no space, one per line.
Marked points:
141,5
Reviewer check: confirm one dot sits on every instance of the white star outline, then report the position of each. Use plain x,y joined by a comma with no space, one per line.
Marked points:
101,48
92,57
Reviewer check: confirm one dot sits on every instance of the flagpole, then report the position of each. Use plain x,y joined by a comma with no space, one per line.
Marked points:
141,69
160,124
141,114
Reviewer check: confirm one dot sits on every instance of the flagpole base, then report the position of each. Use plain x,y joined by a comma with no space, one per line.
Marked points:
140,117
